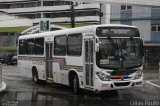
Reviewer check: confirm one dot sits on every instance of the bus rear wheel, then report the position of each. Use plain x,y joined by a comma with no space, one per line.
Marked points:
75,86
35,76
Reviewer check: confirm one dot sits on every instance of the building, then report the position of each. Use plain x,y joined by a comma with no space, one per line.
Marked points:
11,26
147,19
57,11
22,14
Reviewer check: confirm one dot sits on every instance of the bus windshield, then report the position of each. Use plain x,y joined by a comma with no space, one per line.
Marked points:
119,53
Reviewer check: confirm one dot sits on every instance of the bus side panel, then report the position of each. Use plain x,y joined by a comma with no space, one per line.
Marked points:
21,65
76,63
26,64
56,70
28,68
62,66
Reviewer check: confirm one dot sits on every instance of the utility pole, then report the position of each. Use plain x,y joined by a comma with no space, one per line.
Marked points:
100,14
72,15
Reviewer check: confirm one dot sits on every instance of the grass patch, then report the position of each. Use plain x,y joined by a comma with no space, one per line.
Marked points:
14,29
8,48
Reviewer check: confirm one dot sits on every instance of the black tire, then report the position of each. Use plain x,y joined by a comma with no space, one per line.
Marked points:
75,85
104,93
114,92
109,93
8,63
35,76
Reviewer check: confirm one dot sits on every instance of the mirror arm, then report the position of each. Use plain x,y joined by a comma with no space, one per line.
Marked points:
97,45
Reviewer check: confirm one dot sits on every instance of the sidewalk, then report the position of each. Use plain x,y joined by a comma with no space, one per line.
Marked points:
3,86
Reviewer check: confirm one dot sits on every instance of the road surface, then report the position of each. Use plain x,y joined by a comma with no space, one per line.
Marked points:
21,91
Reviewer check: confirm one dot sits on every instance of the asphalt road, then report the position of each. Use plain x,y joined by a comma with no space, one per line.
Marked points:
21,91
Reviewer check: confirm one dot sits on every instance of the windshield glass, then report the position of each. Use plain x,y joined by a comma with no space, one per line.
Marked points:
119,53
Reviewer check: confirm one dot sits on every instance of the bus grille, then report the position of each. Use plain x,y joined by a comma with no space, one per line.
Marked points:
120,78
122,84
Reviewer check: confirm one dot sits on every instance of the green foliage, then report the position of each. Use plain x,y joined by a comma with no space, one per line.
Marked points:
8,48
13,29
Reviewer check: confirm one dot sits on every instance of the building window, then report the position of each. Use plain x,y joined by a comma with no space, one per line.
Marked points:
155,28
60,45
129,7
126,7
74,45
159,28
87,13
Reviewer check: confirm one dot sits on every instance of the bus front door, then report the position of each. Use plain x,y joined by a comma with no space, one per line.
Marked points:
88,62
49,65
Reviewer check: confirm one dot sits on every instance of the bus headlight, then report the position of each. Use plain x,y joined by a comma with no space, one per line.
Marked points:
103,76
138,74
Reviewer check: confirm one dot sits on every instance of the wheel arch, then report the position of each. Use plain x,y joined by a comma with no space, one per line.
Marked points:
71,74
34,67
33,70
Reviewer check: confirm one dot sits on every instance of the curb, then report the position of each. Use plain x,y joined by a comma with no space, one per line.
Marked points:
3,86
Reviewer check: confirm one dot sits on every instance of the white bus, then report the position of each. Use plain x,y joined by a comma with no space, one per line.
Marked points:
97,58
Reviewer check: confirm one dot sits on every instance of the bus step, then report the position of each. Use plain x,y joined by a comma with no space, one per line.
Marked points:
50,81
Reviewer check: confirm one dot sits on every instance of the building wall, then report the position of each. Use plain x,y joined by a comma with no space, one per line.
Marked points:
137,16
13,21
155,24
115,11
141,19
8,39
144,28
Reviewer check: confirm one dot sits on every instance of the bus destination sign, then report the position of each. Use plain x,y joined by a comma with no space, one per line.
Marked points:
117,32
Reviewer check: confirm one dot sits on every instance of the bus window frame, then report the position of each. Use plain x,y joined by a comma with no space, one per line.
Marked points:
80,34
55,46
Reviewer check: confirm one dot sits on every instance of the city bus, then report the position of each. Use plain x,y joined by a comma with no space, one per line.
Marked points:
96,58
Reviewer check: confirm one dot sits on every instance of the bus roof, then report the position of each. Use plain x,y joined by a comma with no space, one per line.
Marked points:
84,29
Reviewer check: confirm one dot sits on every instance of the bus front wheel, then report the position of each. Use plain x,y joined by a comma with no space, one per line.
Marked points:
76,88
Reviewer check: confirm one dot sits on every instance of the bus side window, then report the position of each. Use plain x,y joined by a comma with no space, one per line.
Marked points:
22,46
39,46
60,45
30,46
74,45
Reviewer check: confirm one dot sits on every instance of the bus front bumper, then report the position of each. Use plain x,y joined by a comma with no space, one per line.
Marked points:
115,85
